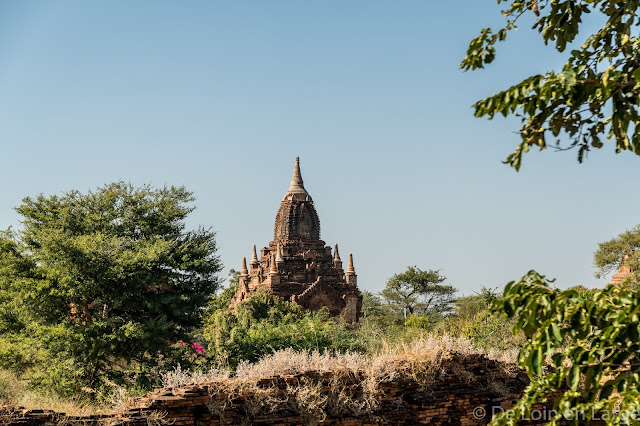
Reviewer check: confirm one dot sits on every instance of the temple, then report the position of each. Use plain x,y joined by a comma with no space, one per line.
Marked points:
626,270
297,265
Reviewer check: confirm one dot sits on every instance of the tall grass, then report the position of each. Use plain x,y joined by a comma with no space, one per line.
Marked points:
16,393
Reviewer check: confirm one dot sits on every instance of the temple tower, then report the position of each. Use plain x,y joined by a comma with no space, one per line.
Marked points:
297,265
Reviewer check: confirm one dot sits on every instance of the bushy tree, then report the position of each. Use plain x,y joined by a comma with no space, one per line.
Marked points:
593,342
597,90
265,323
93,284
418,292
617,252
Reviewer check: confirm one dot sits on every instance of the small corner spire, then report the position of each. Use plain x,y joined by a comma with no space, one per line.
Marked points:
279,258
273,270
244,272
350,269
254,256
337,262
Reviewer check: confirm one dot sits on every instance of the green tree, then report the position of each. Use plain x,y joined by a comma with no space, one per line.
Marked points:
595,92
593,342
95,284
618,252
417,291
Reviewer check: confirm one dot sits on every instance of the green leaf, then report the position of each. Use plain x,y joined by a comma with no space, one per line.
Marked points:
573,378
606,392
555,330
536,361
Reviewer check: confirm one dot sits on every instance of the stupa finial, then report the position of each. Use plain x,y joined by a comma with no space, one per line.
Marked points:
297,184
254,256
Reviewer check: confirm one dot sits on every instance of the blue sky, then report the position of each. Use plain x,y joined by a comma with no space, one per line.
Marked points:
222,96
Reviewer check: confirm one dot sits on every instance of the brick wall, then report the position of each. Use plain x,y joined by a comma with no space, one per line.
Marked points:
457,390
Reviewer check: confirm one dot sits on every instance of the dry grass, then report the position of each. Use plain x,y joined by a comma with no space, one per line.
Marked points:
155,418
424,350
69,406
383,366
179,377
308,400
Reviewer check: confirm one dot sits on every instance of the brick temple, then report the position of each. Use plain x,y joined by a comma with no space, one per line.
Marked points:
297,265
625,271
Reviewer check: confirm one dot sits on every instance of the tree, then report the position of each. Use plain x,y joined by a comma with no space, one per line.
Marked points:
222,300
593,342
102,281
418,291
595,92
618,252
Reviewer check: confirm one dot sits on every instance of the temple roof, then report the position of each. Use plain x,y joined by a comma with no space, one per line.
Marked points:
297,217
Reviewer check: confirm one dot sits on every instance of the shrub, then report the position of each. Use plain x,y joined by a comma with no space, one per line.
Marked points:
265,323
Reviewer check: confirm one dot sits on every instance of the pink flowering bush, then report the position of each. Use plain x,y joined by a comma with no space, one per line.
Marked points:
190,351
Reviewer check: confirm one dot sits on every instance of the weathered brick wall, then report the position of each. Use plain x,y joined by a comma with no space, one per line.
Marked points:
458,390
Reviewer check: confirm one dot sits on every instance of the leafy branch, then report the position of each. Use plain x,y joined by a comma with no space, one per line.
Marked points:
595,93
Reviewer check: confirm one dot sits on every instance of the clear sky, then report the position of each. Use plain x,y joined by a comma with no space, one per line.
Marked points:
222,96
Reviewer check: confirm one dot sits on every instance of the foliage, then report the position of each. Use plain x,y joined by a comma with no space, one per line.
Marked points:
10,388
418,291
378,315
96,284
234,278
372,304
473,319
618,252
265,323
595,92
222,300
593,344
421,321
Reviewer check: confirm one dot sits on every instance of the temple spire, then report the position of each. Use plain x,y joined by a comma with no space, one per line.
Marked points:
350,269
273,270
254,256
337,262
244,272
297,185
350,277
